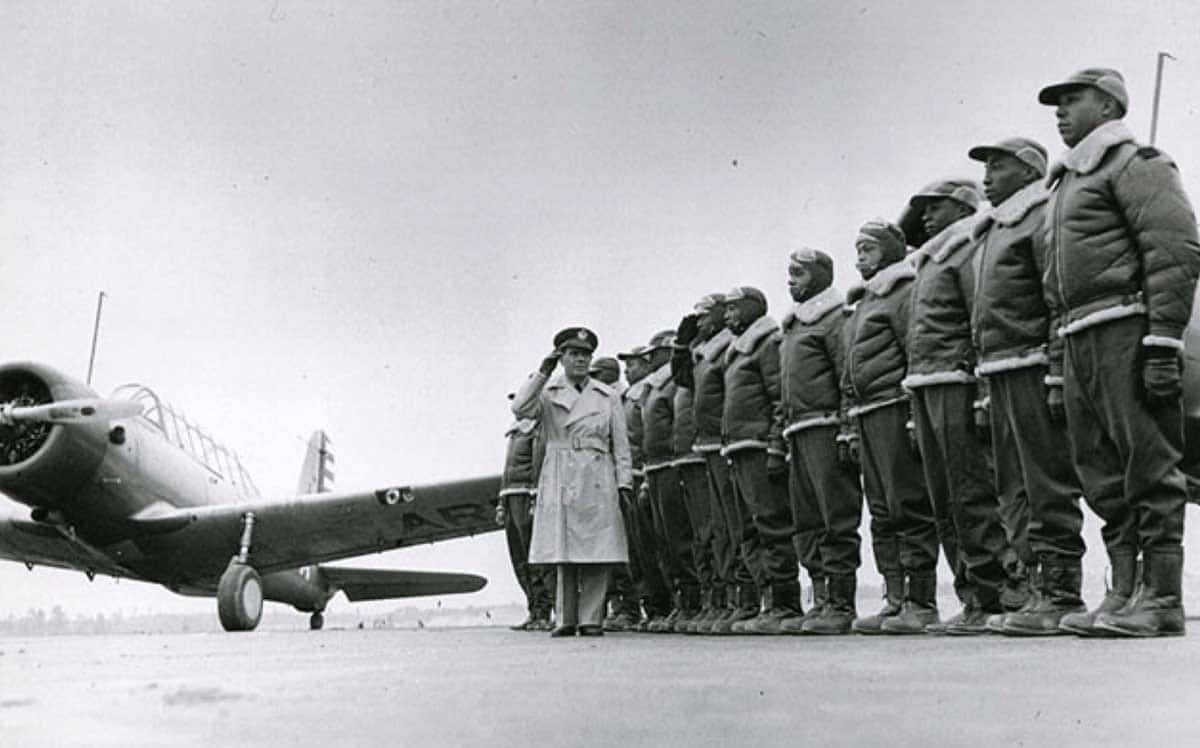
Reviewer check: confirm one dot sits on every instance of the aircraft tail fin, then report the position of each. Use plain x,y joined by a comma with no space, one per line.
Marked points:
316,474
383,584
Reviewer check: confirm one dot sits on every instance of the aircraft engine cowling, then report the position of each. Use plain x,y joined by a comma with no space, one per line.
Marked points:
44,464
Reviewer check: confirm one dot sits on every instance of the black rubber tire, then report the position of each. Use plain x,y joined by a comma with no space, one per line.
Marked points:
316,621
239,598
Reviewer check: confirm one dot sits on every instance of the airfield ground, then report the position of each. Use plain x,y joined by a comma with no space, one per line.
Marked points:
496,688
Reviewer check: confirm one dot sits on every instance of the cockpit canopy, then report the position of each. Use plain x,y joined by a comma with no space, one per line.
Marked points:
177,429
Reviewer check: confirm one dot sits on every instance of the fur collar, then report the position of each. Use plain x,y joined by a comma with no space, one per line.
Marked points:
636,389
762,327
713,348
809,311
1013,210
660,377
951,239
1087,154
882,283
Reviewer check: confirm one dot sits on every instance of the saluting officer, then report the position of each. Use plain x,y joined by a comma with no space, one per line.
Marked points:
826,498
577,523
1124,259
941,378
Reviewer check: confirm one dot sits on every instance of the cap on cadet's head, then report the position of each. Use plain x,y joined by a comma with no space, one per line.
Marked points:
885,235
965,191
706,304
604,363
1026,151
635,352
809,257
1107,80
661,339
746,292
576,337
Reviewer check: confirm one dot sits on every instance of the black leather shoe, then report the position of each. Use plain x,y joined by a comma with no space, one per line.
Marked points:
563,631
591,631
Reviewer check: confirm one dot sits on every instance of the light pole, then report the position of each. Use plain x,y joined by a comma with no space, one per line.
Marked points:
1157,92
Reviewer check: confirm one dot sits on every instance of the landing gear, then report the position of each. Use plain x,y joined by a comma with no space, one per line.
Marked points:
240,593
316,621
239,598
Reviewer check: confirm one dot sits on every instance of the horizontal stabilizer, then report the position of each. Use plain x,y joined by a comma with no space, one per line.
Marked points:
383,584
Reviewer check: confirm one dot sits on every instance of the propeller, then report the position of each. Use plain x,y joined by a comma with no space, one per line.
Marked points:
68,411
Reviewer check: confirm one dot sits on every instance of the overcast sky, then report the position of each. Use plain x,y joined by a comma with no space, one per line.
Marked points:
372,217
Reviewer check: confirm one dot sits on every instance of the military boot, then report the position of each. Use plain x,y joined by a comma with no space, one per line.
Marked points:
689,610
920,606
837,615
1018,588
1126,575
524,625
709,608
726,617
763,602
785,609
1059,580
893,597
742,606
1157,607
820,588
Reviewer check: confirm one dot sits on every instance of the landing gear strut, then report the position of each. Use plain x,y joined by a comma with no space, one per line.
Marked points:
316,621
239,593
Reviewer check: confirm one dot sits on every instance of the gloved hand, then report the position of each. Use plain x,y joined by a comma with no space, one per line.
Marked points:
689,328
1161,373
626,498
983,422
913,445
847,452
1054,404
549,362
777,467
501,513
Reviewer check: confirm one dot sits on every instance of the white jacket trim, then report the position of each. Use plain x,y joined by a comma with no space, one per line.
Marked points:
759,329
1053,380
713,348
865,408
957,376
1121,311
658,466
1162,342
739,445
808,312
706,448
1036,357
516,490
1087,154
882,283
1013,210
689,460
810,423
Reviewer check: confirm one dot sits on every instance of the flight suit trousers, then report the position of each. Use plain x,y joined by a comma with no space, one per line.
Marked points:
655,590
625,584
673,532
903,529
826,504
961,486
535,579
1126,455
581,593
730,526
1039,493
693,478
765,502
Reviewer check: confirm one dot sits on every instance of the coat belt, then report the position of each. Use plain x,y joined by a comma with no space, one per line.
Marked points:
576,443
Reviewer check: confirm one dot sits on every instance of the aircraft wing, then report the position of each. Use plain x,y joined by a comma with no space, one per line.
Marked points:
324,527
47,545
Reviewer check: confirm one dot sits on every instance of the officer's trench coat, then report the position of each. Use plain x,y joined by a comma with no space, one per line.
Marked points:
578,514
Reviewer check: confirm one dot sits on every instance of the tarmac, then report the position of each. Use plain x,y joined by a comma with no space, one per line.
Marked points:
494,687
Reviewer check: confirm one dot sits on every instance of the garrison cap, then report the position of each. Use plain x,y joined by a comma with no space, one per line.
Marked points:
605,363
705,305
1107,80
885,235
965,191
661,339
1024,150
576,337
636,352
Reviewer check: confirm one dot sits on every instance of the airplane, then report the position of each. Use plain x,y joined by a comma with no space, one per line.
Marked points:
126,486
